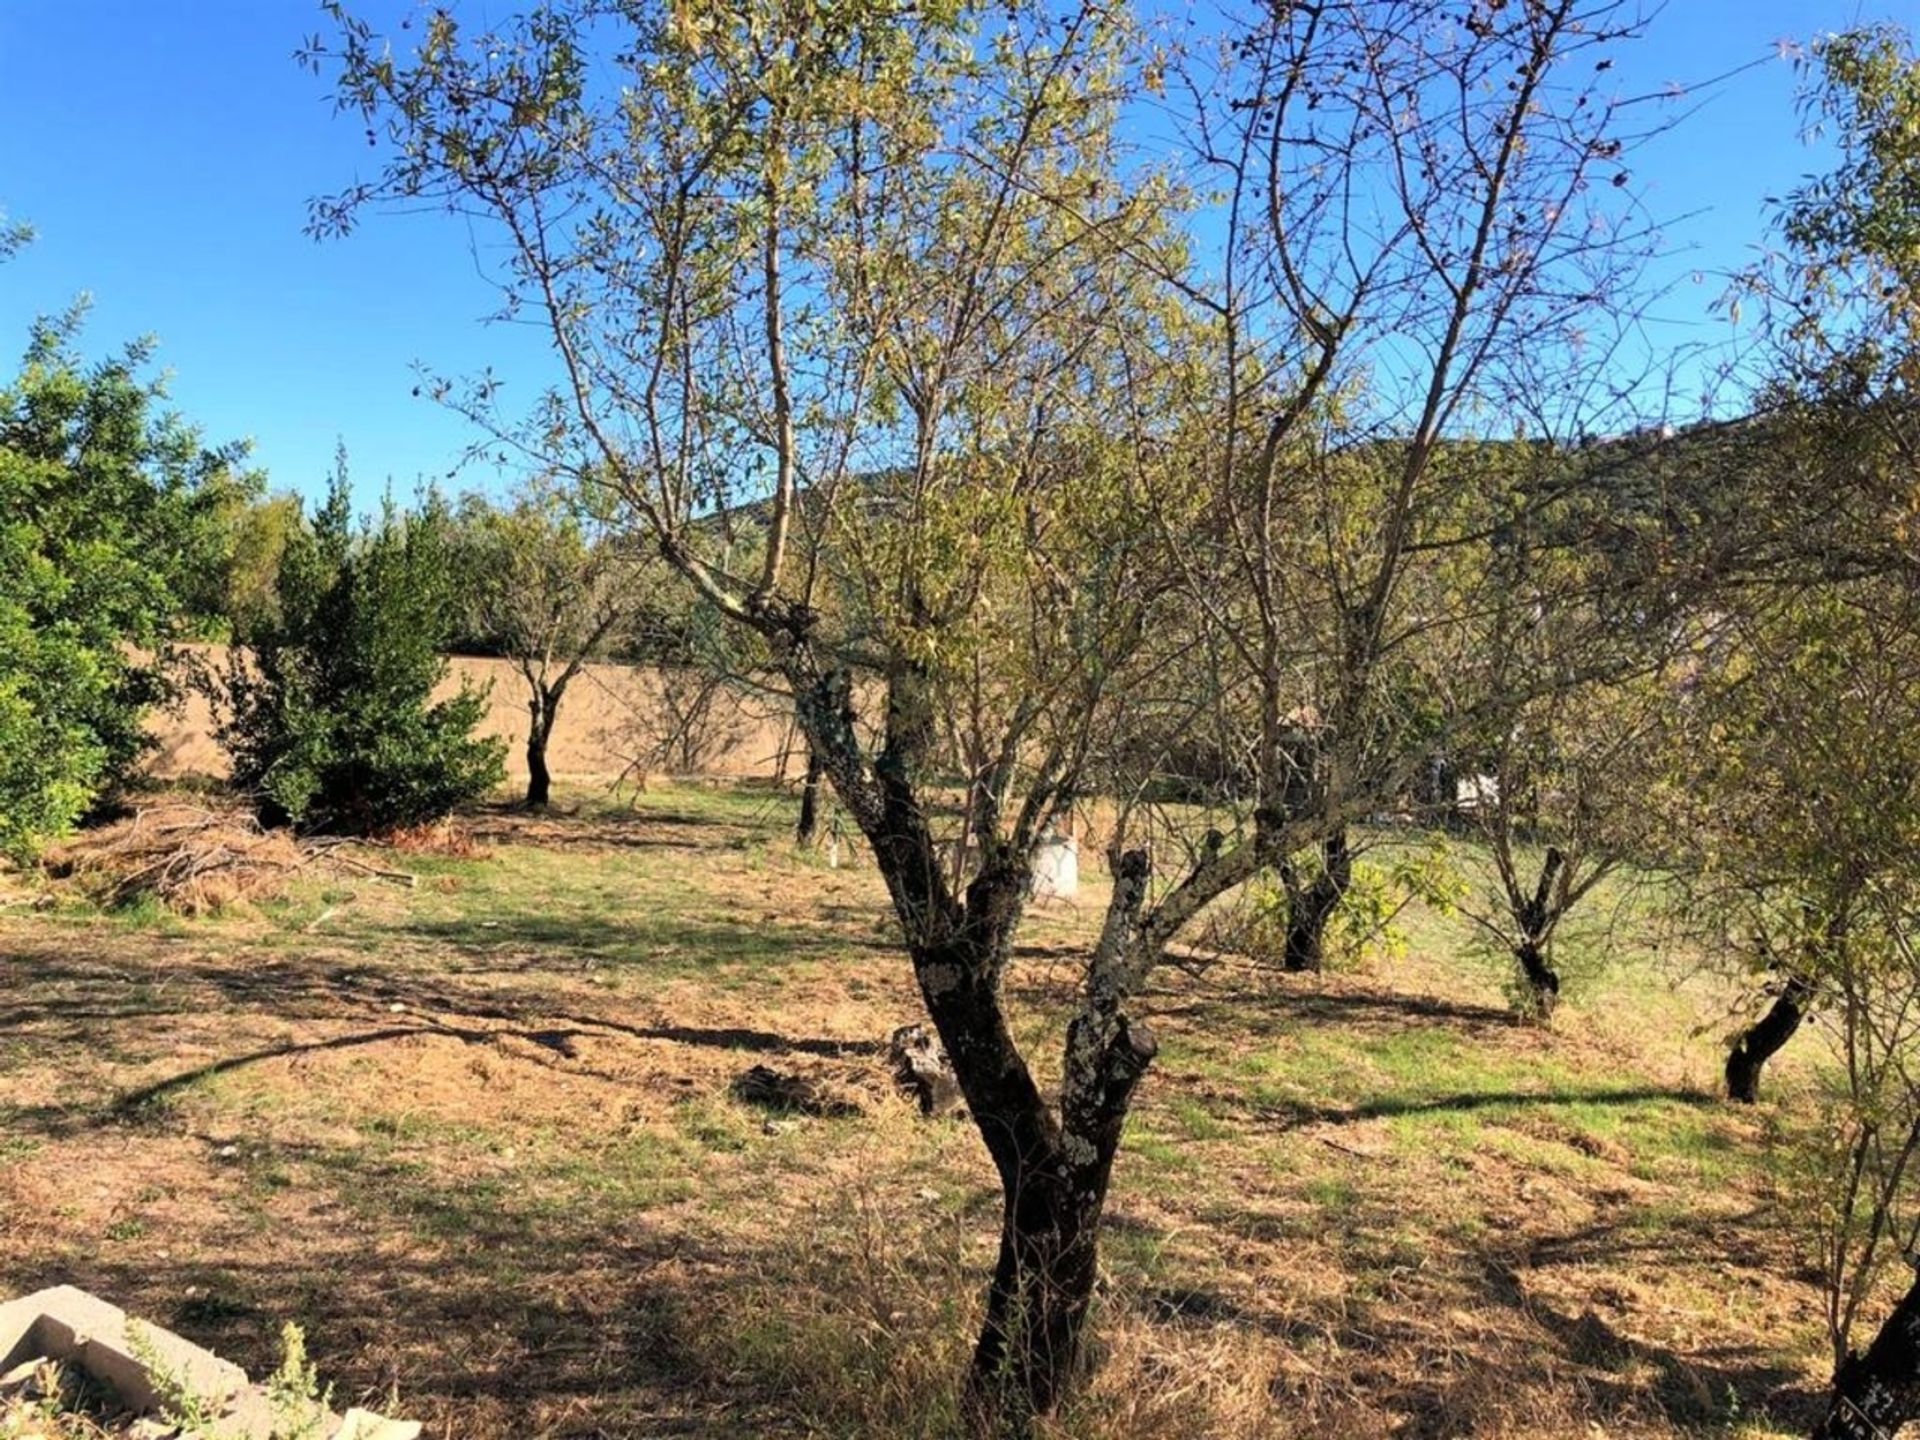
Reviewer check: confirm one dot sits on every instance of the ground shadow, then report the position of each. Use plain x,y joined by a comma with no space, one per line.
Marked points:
1294,1114
530,940
1708,1385
1266,1012
499,1334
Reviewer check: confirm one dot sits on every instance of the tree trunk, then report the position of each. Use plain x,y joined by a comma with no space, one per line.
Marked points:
1043,1279
1031,1342
1876,1394
1542,978
1309,907
1054,1160
1029,1346
539,732
1447,781
1537,916
1055,1164
1762,1040
807,832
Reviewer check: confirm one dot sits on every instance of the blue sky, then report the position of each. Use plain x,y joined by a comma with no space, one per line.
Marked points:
165,151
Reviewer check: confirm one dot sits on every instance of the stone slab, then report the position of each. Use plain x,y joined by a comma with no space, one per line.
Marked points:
17,1319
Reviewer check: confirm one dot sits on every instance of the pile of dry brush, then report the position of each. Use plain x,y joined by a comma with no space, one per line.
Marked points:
197,860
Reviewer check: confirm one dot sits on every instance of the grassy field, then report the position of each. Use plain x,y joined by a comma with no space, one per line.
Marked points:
476,1137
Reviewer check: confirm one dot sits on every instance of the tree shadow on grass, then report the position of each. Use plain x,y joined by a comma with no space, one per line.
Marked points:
599,835
673,828
1410,1356
1750,1241
556,1295
502,1325
130,1104
380,1007
66,999
49,986
1266,1013
532,941
1706,1386
1293,1115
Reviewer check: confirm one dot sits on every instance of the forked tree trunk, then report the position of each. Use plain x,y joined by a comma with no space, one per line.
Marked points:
1762,1040
1054,1159
807,831
1876,1394
1309,907
1536,919
539,732
1055,1165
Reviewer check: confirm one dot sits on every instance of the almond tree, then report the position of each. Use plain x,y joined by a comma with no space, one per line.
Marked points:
1421,280
1816,766
901,276
1829,517
551,594
1865,1219
1813,800
1568,683
1575,799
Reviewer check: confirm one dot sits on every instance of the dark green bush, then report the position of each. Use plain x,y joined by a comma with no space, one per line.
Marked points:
330,722
112,535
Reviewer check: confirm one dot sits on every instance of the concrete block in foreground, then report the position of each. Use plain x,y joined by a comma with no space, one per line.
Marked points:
67,1325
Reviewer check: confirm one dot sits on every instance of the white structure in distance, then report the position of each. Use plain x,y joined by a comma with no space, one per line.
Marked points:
1056,867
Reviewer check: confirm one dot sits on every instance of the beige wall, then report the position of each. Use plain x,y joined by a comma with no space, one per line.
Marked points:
612,715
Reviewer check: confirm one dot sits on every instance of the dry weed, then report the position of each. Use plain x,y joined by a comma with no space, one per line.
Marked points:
449,838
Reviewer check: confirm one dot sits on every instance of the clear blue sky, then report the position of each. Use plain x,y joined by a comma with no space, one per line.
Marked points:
165,151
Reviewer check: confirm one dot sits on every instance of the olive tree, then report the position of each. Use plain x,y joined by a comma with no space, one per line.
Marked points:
1812,783
901,277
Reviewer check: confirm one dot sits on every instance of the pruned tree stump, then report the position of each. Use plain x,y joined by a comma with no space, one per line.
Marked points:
921,1069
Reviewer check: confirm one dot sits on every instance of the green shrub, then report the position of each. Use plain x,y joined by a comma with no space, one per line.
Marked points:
1386,879
113,541
329,720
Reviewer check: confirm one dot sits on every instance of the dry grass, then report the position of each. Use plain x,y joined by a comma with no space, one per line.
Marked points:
451,839
478,1139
